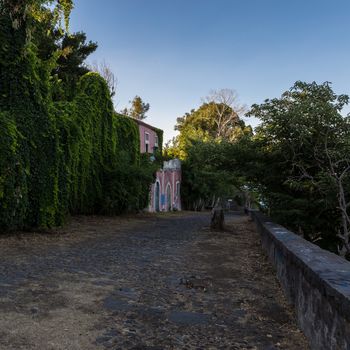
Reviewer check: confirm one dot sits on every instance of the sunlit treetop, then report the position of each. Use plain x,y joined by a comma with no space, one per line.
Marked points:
20,10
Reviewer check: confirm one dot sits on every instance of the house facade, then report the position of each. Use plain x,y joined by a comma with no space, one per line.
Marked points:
165,191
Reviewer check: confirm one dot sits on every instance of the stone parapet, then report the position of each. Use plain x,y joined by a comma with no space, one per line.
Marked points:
173,164
316,282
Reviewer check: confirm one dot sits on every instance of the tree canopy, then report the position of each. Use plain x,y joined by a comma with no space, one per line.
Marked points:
138,109
304,140
201,143
216,120
295,166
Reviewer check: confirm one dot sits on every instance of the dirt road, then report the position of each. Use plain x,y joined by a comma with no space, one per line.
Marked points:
151,282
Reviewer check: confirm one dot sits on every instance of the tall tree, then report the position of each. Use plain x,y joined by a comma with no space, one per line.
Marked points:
71,63
305,145
217,119
227,112
203,136
138,109
107,74
206,180
20,11
68,52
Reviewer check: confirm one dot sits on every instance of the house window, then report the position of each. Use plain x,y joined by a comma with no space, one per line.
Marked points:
146,142
156,142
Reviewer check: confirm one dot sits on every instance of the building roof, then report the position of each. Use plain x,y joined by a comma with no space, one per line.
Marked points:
141,122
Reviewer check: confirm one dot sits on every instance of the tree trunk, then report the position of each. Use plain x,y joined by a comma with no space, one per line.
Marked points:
217,219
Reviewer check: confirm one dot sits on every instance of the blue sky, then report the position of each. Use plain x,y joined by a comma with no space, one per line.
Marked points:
173,52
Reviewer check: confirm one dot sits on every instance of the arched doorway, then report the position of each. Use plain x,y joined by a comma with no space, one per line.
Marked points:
168,198
156,196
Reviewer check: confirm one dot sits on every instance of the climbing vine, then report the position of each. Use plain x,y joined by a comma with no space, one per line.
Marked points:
60,156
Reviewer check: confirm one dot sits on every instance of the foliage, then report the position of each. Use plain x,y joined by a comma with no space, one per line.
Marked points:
226,111
25,98
296,167
138,109
93,143
205,179
204,136
13,187
202,124
28,13
60,156
70,64
127,187
303,141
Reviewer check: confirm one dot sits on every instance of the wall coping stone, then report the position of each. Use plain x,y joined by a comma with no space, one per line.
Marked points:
323,270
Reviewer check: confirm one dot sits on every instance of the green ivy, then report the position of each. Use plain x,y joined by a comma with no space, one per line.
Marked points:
65,157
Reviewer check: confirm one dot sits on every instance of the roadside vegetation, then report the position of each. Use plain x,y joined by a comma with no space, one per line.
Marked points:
63,148
294,166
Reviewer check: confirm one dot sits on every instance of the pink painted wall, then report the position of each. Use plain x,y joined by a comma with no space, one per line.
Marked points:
168,177
152,138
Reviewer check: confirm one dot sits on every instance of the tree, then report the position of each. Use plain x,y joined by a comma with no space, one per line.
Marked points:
67,52
20,10
205,178
107,74
227,112
31,195
71,63
304,142
138,109
218,119
204,136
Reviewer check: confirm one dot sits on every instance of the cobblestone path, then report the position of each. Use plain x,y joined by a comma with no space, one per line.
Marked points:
154,282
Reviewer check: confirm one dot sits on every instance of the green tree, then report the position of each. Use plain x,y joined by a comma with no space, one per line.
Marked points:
206,181
218,119
303,141
67,51
138,109
204,136
71,63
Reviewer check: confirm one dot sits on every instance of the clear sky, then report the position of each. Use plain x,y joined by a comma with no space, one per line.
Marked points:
173,52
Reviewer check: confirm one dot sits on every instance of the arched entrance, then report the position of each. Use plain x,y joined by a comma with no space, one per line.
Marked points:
168,198
156,196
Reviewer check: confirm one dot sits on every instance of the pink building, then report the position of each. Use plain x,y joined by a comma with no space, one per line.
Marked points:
165,192
148,137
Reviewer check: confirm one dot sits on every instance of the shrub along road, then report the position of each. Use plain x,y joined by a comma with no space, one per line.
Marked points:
150,282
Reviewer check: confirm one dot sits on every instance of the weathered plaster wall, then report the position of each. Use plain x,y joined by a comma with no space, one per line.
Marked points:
152,138
169,176
165,177
316,282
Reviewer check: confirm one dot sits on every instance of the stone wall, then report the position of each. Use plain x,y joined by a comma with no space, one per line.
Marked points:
315,281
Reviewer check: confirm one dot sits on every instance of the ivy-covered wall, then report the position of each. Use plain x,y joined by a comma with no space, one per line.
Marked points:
127,182
28,175
60,157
